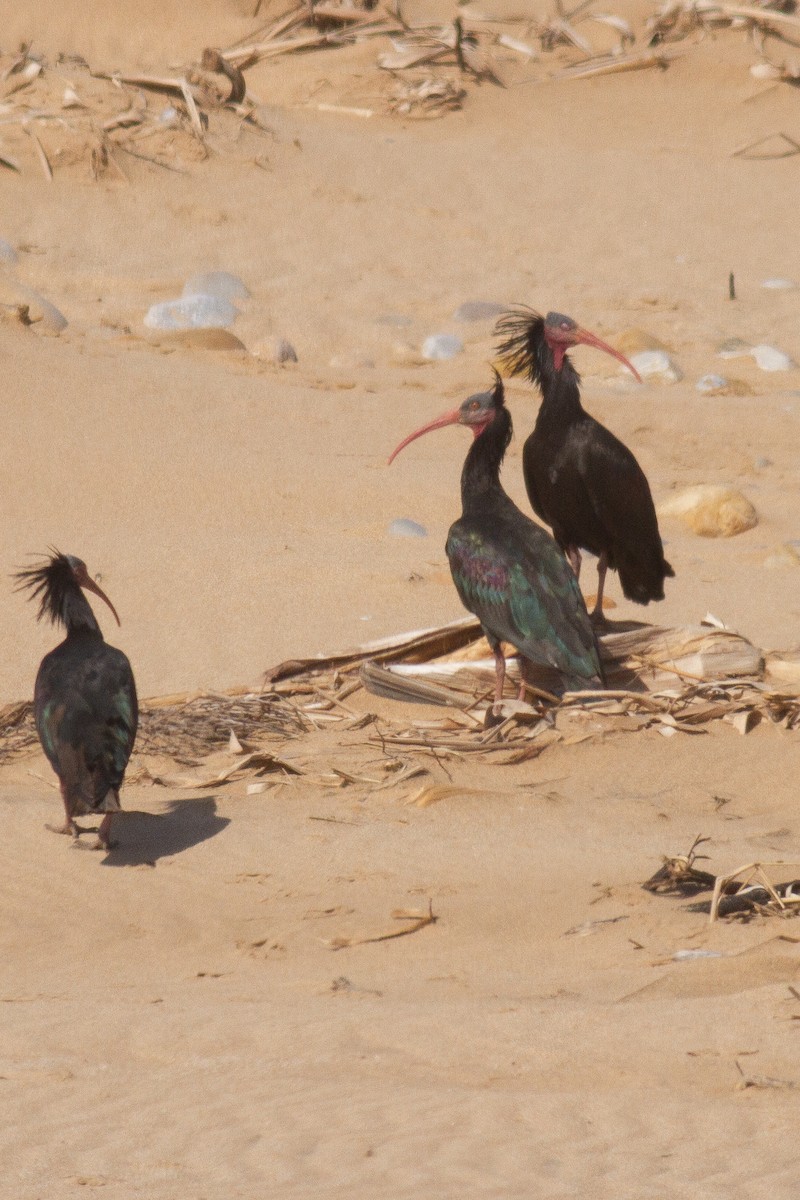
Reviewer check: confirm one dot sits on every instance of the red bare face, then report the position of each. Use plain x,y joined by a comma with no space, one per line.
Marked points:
562,332
476,412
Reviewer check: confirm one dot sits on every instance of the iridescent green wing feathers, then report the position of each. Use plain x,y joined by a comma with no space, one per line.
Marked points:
86,717
523,591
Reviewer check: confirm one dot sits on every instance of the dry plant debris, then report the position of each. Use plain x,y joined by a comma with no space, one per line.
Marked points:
679,877
70,114
742,893
735,897
763,1081
674,681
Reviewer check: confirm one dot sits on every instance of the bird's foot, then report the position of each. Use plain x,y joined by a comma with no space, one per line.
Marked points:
69,828
493,717
104,844
104,835
100,843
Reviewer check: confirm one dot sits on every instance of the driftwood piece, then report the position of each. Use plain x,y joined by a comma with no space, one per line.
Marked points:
418,646
643,657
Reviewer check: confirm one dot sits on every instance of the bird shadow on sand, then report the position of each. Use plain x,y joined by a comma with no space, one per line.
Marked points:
143,838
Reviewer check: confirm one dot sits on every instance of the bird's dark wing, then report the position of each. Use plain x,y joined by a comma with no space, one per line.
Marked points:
86,717
523,591
620,495
532,467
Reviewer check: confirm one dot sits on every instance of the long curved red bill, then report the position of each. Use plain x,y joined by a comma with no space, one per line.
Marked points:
449,418
89,585
590,339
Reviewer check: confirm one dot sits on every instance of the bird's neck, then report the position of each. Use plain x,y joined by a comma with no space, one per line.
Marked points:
77,615
480,478
561,395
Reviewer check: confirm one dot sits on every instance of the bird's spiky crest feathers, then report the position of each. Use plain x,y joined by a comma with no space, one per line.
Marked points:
524,349
51,583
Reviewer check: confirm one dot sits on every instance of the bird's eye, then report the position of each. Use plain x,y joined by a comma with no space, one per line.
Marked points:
474,406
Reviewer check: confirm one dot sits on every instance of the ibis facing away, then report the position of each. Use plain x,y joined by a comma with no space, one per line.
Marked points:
85,696
507,570
581,480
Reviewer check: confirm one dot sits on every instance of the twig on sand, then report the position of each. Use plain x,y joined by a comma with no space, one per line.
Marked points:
763,1081
44,161
790,147
419,921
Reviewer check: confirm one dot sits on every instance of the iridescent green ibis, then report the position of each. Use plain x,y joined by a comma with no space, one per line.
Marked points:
581,480
507,570
85,696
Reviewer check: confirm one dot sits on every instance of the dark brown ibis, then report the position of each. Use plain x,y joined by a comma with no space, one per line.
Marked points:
581,480
507,570
85,696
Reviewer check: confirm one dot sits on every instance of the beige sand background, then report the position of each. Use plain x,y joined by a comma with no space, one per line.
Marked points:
175,1023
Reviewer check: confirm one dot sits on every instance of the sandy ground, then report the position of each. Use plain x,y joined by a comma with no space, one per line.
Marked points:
176,1023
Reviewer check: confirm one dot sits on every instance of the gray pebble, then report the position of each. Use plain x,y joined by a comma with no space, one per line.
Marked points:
7,252
276,350
478,310
396,320
711,383
284,351
734,348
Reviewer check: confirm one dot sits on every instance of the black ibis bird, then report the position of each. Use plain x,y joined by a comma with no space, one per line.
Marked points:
581,480
507,570
85,696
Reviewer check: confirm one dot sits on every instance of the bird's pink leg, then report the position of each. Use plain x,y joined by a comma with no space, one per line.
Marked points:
493,717
574,556
103,834
602,567
69,827
500,673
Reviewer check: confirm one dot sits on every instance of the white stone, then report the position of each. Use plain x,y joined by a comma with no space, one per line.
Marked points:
656,364
405,527
441,346
768,358
191,312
